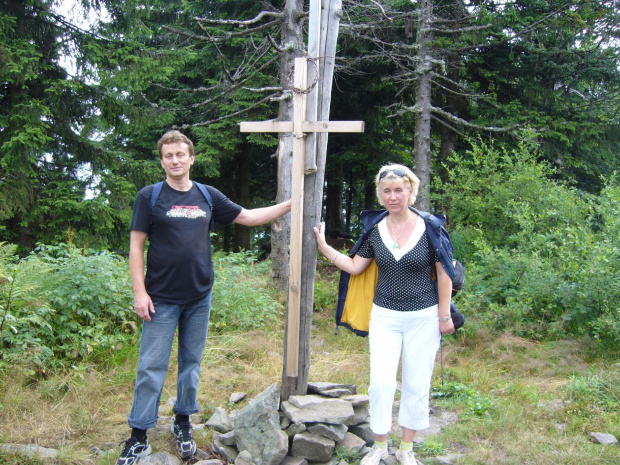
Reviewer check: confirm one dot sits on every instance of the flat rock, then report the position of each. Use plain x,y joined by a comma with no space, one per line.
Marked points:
318,388
312,447
229,453
353,442
30,450
363,431
361,414
288,460
220,421
244,458
448,459
604,438
294,429
160,458
357,399
333,432
227,439
317,409
237,397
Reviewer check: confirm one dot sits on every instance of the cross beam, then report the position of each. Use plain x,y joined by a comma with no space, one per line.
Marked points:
299,127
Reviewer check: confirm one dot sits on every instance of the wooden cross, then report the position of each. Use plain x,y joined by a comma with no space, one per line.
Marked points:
299,127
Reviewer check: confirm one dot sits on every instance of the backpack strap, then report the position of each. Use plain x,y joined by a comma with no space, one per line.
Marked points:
157,190
205,192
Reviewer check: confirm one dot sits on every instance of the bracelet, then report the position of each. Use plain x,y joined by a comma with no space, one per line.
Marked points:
445,318
335,257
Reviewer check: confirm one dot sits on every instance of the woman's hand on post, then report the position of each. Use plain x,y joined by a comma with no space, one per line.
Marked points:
320,234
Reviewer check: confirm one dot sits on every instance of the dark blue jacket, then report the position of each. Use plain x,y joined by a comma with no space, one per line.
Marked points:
437,234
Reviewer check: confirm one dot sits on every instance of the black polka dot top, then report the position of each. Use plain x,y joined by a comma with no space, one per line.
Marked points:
405,282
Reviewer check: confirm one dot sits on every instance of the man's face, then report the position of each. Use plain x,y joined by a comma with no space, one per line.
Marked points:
176,160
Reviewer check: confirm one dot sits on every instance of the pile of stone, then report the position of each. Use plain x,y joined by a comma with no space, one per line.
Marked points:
302,429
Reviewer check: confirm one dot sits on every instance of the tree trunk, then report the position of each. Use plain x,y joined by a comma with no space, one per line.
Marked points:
370,195
334,218
292,36
422,138
242,233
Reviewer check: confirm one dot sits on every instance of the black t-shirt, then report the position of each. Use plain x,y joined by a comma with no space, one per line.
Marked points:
179,269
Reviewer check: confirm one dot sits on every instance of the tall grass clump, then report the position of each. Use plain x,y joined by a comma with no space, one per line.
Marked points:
542,257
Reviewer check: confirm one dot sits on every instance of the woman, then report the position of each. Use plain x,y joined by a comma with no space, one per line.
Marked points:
409,312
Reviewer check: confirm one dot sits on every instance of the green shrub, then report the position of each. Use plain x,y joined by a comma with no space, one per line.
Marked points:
83,303
243,296
326,292
543,259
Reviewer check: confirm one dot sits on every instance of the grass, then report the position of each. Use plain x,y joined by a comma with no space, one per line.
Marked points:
518,401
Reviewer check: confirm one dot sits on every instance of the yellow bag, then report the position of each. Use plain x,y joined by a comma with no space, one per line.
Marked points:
360,294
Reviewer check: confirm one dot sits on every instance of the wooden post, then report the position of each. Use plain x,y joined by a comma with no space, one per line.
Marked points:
301,284
297,211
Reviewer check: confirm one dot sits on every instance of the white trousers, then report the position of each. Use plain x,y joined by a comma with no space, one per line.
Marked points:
417,336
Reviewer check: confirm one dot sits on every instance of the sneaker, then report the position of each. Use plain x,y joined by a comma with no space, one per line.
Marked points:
375,456
133,451
185,444
405,458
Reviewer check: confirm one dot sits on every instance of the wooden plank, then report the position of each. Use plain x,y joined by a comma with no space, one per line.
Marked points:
297,211
306,126
333,126
266,126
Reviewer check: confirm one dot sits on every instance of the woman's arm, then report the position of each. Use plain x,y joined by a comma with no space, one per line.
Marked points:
444,290
352,266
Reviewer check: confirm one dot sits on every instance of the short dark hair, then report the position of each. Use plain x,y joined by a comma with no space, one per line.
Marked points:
172,137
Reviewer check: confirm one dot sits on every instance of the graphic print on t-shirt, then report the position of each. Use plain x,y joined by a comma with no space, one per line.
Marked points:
186,211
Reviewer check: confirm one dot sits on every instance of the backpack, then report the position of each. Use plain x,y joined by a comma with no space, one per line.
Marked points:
457,284
157,190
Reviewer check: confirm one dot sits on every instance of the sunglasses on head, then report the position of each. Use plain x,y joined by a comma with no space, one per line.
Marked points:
397,172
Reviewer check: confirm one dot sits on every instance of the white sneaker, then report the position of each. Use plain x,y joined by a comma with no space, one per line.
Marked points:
375,456
405,458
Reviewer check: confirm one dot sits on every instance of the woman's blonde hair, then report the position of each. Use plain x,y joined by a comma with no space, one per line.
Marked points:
388,173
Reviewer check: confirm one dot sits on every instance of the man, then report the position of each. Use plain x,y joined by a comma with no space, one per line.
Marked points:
177,289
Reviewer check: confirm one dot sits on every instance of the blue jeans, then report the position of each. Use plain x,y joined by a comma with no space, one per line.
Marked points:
155,347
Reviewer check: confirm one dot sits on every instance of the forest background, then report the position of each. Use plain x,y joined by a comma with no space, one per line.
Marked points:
523,151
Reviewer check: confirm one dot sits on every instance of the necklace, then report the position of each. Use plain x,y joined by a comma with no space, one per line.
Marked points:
396,239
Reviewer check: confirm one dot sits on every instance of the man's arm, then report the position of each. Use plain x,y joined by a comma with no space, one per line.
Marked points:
142,301
263,215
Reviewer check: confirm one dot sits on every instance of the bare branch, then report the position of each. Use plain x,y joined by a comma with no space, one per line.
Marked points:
176,89
459,30
382,10
274,45
256,19
221,118
467,124
264,89
225,37
452,128
454,119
